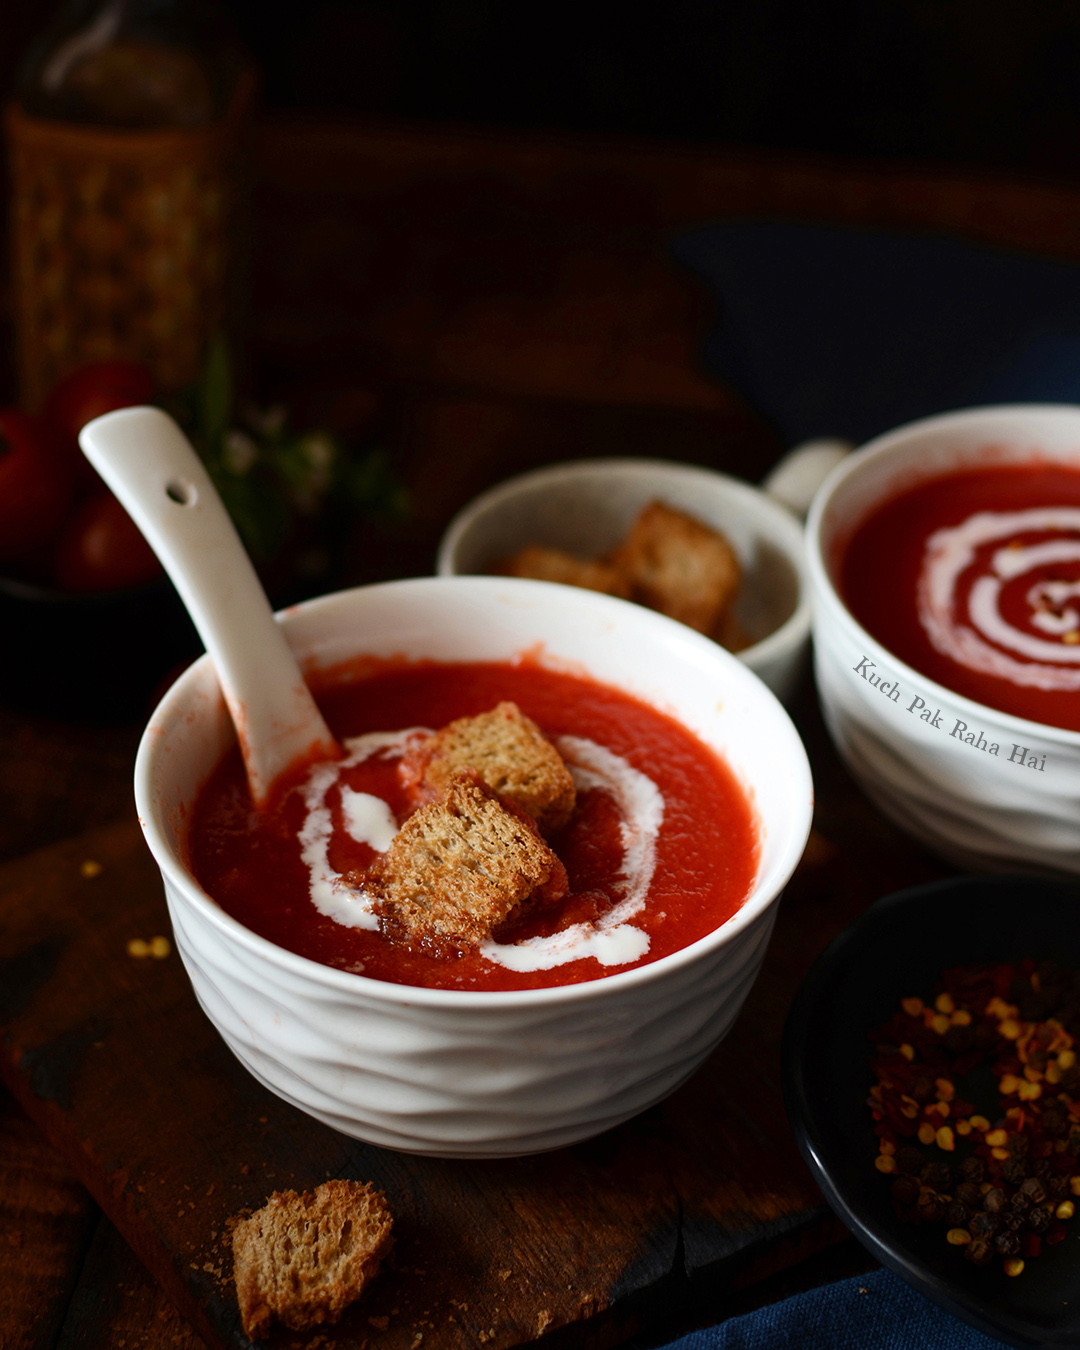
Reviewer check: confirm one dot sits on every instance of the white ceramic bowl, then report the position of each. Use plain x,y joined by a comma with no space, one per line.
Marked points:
444,1072
977,809
586,508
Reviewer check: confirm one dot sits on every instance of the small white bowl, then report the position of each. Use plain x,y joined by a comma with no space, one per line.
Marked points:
444,1072
587,507
978,810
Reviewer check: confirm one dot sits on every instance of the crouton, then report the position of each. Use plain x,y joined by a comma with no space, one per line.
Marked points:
509,752
552,564
459,866
679,566
304,1258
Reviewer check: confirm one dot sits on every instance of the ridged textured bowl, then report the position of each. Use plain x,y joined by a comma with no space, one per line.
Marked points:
443,1072
586,508
980,810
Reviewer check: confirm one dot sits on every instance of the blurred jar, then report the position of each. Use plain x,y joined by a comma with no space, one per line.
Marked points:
126,142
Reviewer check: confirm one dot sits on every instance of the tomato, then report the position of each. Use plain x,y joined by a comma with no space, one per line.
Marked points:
35,484
89,392
101,549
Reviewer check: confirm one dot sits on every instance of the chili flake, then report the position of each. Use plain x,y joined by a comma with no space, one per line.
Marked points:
1003,1187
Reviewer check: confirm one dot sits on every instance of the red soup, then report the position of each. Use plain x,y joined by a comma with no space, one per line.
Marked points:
973,579
661,849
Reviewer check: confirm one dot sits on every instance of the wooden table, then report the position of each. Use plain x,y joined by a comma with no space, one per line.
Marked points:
485,303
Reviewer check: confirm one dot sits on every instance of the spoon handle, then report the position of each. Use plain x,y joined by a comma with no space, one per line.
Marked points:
150,465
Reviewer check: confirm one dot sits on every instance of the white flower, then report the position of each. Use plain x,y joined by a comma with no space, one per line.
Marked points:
239,453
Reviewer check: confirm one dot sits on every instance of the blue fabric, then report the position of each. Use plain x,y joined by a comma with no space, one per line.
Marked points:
841,332
870,1312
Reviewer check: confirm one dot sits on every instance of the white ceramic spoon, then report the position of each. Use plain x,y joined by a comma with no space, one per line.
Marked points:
151,467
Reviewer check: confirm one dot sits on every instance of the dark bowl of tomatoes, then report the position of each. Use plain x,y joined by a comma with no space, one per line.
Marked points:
93,656
94,623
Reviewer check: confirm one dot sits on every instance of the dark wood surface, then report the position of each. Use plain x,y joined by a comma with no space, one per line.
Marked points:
112,1058
480,303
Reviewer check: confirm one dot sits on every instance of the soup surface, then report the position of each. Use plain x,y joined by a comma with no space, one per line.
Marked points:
661,849
973,579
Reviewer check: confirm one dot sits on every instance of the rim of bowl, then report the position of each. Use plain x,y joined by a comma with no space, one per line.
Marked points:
796,762
786,531
878,448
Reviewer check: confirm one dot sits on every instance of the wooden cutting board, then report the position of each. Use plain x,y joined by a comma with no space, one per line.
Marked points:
112,1056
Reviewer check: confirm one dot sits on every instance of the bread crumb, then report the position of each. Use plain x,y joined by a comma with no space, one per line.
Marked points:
553,564
509,752
459,867
679,566
304,1258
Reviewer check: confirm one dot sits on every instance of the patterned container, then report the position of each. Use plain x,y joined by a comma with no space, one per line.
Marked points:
125,244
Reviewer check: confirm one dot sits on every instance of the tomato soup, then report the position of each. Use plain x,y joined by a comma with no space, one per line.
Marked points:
661,849
973,579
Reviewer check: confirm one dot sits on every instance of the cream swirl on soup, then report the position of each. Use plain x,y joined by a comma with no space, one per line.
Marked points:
1000,594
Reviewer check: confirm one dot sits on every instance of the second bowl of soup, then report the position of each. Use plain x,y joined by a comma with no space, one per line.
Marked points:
945,564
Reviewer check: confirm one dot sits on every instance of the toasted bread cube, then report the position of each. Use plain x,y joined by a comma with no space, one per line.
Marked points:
304,1258
459,866
509,752
679,566
552,564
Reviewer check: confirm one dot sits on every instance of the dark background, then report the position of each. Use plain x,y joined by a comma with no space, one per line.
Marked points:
989,83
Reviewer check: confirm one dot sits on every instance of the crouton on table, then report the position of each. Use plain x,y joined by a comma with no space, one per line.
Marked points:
679,566
509,752
459,867
553,564
304,1258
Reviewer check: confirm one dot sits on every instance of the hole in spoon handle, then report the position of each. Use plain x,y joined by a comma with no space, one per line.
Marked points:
184,494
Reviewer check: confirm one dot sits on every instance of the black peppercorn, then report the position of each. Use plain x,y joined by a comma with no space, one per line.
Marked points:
983,1224
905,1190
1007,1243
1021,1202
1039,1219
1014,1171
931,1207
1034,1188
937,1175
968,1194
995,1200
957,1214
1018,1145
974,1169
979,1252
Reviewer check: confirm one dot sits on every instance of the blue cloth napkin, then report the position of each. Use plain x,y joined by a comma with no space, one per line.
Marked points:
870,1312
841,332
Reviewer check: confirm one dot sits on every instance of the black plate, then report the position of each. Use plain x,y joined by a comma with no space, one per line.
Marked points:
897,949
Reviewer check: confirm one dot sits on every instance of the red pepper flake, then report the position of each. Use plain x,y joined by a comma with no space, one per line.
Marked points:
1017,1157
